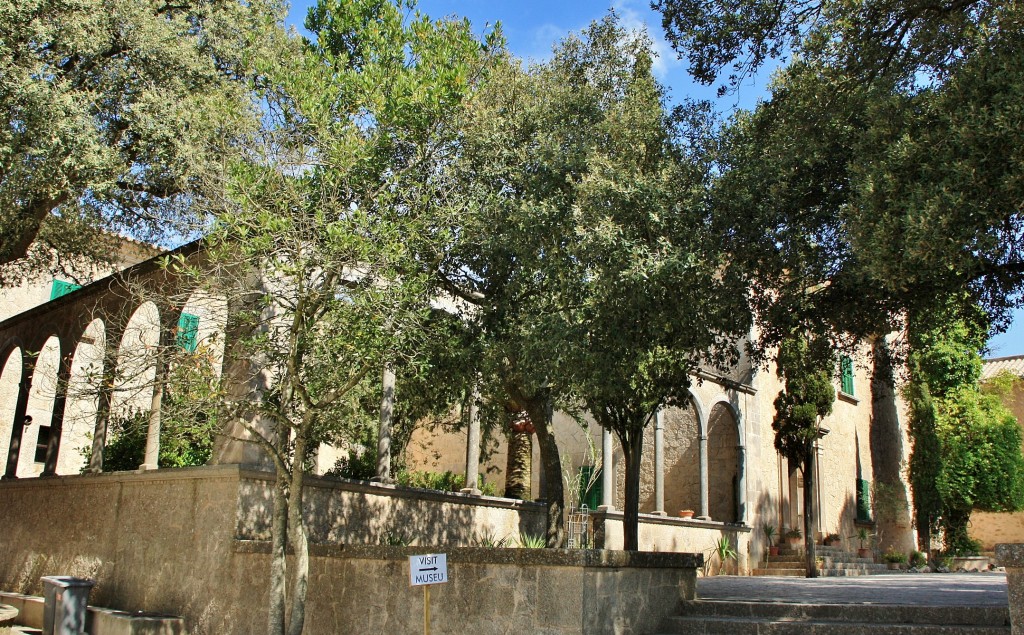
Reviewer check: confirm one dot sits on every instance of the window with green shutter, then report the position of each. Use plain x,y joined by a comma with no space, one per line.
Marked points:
590,486
188,332
61,287
863,500
846,370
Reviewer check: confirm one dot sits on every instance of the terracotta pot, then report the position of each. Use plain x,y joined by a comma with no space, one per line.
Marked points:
686,513
773,551
893,566
863,553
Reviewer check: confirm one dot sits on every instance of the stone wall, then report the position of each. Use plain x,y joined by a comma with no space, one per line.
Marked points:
175,542
668,534
491,591
362,512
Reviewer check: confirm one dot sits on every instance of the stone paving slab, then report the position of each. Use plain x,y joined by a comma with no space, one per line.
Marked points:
926,589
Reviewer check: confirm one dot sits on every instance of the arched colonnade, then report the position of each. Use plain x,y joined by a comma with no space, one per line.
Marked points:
69,365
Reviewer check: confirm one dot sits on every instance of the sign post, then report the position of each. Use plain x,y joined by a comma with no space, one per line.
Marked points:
425,570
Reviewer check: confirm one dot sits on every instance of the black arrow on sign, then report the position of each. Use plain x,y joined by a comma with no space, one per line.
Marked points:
430,569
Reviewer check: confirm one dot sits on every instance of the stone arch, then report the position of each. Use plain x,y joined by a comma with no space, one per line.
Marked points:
10,378
136,362
682,432
83,393
42,393
724,464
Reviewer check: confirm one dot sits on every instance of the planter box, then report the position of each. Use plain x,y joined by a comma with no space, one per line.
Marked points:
969,563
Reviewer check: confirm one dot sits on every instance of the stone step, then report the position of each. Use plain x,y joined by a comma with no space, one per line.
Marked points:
782,618
828,563
752,626
824,573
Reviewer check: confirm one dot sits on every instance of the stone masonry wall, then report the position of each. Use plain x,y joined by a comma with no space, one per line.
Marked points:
169,541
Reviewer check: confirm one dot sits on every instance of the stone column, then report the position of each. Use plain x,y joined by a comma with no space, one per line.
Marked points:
387,411
167,340
57,418
20,418
741,485
99,436
704,504
473,445
607,471
659,464
1011,556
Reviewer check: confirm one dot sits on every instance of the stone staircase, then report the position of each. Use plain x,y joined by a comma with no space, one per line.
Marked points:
836,562
728,617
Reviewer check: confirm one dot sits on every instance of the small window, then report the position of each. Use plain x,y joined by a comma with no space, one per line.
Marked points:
863,500
188,332
42,442
846,372
61,287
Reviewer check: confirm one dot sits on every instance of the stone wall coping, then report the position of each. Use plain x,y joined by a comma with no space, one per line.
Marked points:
239,472
657,519
204,472
1010,555
588,558
390,490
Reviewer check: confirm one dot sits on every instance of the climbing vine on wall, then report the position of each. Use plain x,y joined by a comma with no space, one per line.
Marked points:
966,443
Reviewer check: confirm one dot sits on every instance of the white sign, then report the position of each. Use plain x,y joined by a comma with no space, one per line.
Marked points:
431,568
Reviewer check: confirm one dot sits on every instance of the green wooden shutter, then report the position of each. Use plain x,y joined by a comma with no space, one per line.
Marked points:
590,496
846,368
61,287
188,332
863,500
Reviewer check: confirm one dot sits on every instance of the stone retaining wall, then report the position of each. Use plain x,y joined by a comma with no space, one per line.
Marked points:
179,542
668,534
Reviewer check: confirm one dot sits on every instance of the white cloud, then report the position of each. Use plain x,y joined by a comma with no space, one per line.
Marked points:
542,39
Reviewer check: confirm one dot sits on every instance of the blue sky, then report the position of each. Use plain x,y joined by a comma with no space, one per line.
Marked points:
533,26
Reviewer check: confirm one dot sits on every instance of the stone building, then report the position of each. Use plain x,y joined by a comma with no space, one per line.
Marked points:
74,360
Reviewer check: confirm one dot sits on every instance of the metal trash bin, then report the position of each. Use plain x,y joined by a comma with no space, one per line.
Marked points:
64,601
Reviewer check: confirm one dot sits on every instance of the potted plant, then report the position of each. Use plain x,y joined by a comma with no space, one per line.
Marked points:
895,559
917,559
769,535
793,537
686,513
832,540
863,537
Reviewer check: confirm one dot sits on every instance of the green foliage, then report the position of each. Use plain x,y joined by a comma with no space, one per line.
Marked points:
441,481
395,537
116,112
982,463
967,444
361,466
488,540
893,556
806,369
529,541
587,250
918,559
883,175
770,533
863,537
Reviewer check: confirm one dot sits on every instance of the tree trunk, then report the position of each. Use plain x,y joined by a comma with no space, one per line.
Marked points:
299,542
278,564
518,466
632,448
810,513
540,414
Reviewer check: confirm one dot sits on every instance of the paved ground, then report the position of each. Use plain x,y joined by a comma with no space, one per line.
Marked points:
929,589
